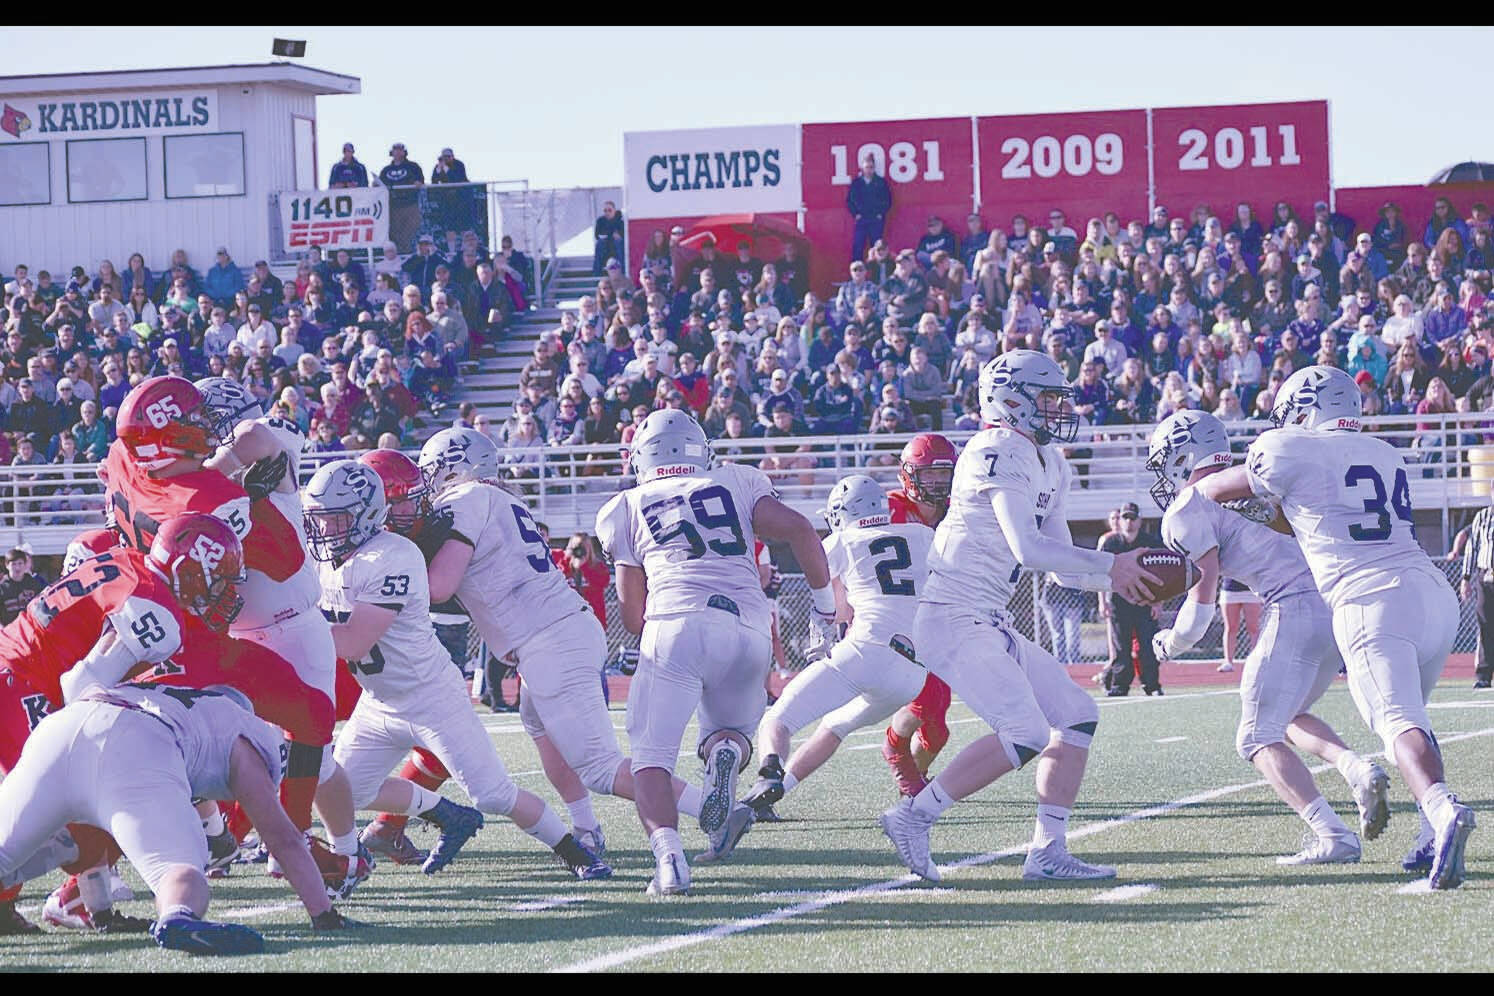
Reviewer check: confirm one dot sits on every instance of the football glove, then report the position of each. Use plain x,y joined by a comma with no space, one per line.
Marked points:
1255,509
823,634
264,476
1160,645
627,661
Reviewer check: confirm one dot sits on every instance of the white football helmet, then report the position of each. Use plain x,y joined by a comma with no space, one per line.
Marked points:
1318,397
453,456
1011,387
856,501
343,507
227,404
669,443
1183,443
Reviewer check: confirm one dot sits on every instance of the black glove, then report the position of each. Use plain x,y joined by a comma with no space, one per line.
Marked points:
264,476
627,660
434,532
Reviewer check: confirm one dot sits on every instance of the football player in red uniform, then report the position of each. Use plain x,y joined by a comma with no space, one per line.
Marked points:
110,616
167,460
918,731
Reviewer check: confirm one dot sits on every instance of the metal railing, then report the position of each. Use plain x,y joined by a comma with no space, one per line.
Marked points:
1450,462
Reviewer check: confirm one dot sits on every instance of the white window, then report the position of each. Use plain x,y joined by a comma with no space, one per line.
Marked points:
205,165
106,169
26,174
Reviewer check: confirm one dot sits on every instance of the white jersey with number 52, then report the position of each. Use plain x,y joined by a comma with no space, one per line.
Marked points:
693,538
884,570
1348,499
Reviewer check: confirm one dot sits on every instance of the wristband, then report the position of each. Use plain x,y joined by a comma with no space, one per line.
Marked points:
824,600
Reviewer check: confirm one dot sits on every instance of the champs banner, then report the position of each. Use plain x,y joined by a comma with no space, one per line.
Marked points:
351,218
670,174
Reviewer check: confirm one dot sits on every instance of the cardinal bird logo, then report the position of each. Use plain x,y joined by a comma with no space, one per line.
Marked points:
13,122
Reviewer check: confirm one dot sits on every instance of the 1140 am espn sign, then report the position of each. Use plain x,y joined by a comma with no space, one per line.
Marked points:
352,218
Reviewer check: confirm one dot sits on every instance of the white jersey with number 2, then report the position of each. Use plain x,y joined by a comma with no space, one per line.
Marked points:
884,570
1348,500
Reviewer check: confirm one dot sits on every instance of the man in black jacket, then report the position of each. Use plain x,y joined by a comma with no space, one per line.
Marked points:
608,232
19,586
1127,619
869,200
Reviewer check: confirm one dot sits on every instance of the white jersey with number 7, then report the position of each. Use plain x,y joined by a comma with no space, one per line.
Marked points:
1348,499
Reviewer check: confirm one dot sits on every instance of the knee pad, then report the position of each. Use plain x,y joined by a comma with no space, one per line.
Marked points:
501,799
1022,746
1078,729
428,764
598,774
1250,739
710,740
305,760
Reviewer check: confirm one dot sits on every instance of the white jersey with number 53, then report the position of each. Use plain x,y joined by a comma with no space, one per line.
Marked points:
1348,500
693,538
389,571
971,563
884,570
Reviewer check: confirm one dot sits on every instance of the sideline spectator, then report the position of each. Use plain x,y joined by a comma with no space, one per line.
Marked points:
347,171
869,200
607,235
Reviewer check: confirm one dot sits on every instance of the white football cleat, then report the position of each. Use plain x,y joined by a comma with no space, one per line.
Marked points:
1225,668
119,890
1337,850
909,830
1447,852
738,822
671,876
1054,863
720,791
64,907
1371,789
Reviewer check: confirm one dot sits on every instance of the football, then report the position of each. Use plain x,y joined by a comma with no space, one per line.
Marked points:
1177,572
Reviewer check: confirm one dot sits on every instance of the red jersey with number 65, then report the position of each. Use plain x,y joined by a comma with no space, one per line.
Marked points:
140,503
117,588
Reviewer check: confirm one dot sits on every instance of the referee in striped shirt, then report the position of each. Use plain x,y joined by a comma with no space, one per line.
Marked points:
1478,585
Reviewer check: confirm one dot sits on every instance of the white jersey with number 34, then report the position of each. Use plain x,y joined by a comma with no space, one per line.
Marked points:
1348,500
693,538
884,570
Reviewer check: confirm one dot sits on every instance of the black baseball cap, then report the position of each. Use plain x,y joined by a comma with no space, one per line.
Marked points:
1130,511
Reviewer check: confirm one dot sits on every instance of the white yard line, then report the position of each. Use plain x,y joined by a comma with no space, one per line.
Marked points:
540,905
1463,704
1170,740
626,955
253,912
864,747
1123,892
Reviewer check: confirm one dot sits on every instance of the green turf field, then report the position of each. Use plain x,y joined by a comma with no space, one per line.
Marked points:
1167,800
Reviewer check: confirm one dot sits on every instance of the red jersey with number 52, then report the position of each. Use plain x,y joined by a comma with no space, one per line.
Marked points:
140,503
117,588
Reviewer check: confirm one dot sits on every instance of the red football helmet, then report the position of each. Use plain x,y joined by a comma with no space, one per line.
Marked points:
87,544
203,559
163,419
405,490
926,468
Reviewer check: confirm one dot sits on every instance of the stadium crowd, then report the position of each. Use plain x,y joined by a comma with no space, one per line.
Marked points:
1148,317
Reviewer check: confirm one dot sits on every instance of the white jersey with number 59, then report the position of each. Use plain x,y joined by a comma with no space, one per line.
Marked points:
389,571
1348,500
884,570
512,589
693,538
971,563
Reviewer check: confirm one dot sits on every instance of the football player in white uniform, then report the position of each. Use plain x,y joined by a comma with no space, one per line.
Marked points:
1295,659
498,566
1006,513
263,453
130,759
374,589
681,540
1347,499
878,571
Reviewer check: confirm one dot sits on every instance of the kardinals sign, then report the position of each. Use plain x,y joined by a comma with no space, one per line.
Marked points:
108,115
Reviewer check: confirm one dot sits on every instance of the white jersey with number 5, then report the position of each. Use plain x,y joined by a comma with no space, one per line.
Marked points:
512,589
267,601
389,571
971,562
1348,500
885,570
693,538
